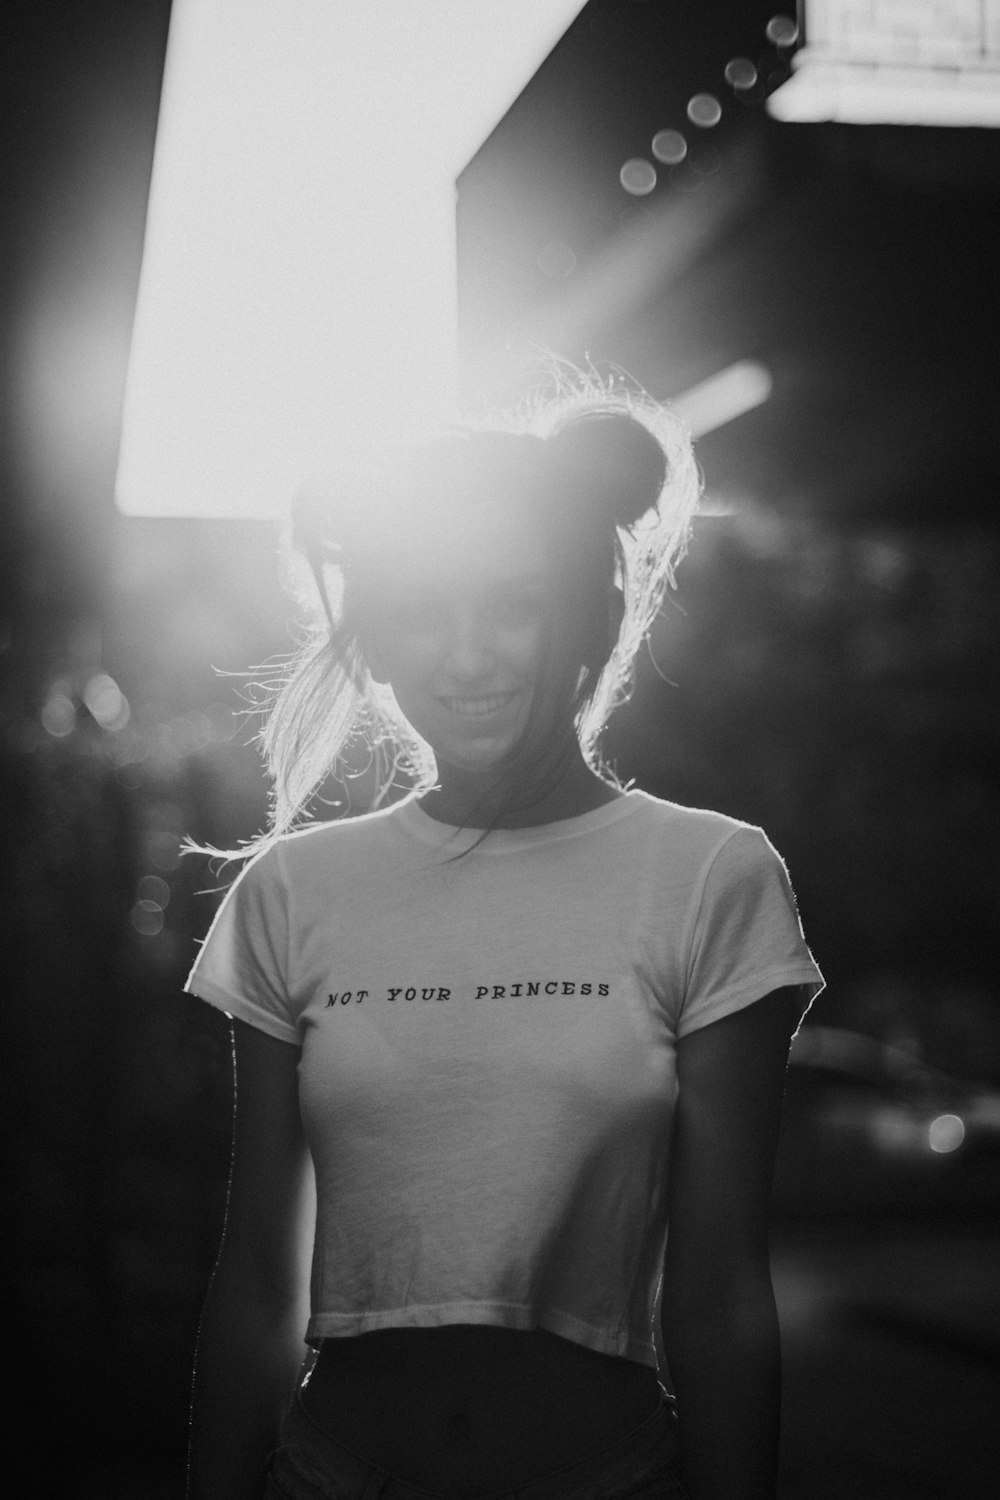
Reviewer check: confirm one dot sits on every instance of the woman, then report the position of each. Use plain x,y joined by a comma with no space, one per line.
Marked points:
528,1018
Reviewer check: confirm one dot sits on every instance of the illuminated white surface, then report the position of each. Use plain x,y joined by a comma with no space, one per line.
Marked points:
856,95
897,62
297,296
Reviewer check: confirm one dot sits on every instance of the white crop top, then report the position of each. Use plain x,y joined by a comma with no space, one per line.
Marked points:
487,1070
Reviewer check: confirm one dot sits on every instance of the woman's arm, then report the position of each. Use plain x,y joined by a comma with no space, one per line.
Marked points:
719,1321
251,1340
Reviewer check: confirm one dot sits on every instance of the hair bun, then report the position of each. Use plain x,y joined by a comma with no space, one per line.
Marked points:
616,458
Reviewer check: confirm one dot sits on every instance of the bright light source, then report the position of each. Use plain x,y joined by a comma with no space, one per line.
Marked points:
724,397
888,96
298,298
922,63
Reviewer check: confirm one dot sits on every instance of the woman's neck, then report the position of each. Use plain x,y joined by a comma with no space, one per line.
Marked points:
475,801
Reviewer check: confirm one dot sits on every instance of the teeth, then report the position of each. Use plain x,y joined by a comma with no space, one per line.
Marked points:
475,707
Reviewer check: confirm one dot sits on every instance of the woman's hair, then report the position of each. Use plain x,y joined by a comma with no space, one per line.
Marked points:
610,474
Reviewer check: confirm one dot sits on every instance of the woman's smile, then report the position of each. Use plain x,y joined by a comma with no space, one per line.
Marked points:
479,706
460,638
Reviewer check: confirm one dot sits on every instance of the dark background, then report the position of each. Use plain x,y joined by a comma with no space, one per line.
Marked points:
828,670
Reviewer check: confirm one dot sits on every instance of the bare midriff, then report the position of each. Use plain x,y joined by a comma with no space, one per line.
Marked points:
465,1407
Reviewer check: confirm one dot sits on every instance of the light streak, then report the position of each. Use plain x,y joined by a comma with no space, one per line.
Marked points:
723,397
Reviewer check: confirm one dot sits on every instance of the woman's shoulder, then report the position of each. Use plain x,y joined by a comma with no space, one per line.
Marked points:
701,826
349,837
697,844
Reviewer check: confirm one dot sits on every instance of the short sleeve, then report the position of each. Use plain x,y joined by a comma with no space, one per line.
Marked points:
242,967
746,938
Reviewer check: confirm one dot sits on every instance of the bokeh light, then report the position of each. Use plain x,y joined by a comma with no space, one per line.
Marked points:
638,176
59,712
155,889
706,159
669,146
147,918
686,177
163,850
704,110
781,31
946,1133
106,701
741,73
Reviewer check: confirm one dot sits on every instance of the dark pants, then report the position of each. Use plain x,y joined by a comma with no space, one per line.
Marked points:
310,1464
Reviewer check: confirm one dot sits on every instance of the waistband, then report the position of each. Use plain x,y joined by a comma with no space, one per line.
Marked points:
649,1449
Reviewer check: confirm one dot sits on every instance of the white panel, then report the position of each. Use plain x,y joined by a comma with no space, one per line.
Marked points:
297,295
902,62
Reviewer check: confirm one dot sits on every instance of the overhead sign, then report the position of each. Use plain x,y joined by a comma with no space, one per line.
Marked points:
898,62
298,289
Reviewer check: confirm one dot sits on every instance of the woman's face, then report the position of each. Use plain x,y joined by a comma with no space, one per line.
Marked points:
460,634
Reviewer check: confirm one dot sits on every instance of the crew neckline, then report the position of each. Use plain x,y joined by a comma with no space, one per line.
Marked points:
431,831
